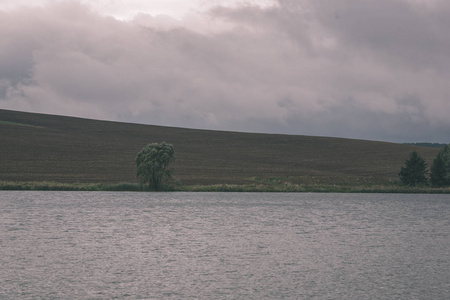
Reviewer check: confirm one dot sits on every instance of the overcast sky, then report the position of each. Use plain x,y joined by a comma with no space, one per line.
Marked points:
373,69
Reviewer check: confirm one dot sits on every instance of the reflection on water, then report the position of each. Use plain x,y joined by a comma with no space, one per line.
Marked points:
224,245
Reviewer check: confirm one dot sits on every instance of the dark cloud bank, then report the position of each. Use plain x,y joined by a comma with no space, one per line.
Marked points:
375,69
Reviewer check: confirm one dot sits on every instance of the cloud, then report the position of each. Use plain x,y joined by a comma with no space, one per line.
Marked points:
360,69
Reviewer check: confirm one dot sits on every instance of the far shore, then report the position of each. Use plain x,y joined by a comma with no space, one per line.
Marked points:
282,188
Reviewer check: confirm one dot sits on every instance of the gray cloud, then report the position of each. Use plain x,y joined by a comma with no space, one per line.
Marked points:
373,69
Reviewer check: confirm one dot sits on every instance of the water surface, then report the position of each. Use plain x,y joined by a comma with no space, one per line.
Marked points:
102,245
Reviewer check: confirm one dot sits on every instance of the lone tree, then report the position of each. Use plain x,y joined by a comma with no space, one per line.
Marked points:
152,164
415,170
440,170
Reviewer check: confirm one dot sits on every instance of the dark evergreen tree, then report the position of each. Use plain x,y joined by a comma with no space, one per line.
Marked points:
440,170
415,170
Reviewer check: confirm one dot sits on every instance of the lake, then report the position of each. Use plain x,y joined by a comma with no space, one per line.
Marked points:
103,245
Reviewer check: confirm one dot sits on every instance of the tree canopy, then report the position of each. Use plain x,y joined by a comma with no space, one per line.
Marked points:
440,170
415,170
153,163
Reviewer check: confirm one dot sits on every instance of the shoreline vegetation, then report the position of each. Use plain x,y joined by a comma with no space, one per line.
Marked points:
274,188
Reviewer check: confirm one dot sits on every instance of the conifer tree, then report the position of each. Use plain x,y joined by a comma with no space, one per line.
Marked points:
440,170
415,171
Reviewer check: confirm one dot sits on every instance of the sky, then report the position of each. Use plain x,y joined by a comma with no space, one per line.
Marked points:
373,69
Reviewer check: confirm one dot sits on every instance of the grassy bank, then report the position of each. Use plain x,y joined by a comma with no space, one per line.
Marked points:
57,186
280,188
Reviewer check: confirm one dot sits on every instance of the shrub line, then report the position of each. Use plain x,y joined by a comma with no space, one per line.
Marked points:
133,187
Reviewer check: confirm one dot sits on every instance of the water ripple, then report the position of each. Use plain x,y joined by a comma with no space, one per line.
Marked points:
95,245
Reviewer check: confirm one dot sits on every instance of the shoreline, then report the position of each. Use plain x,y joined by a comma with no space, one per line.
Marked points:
263,188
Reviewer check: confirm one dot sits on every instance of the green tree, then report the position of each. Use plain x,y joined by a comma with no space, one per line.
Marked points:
440,170
153,163
415,170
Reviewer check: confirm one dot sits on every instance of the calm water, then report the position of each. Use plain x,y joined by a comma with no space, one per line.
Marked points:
97,245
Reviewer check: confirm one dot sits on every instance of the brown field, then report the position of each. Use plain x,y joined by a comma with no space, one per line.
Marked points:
39,147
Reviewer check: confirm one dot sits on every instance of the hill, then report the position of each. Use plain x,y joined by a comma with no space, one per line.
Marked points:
40,147
433,145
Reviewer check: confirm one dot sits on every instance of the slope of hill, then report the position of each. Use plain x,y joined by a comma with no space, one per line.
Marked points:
39,147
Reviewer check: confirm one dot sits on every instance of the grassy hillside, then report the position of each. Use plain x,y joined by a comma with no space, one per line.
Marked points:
39,147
